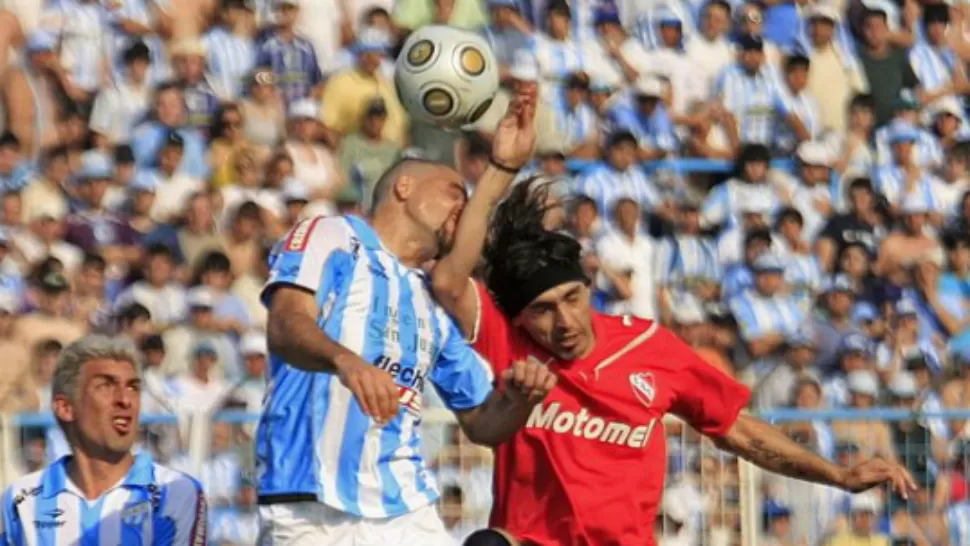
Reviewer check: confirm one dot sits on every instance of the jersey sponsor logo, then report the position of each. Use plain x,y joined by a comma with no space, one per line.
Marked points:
643,387
408,376
53,520
411,400
300,236
135,514
25,494
582,424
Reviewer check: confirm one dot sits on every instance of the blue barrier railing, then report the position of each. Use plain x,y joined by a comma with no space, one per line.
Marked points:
683,164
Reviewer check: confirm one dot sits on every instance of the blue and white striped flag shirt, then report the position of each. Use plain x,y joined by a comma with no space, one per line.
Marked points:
160,69
293,61
653,131
605,185
890,181
684,259
756,101
958,521
759,316
557,59
230,59
647,29
153,505
806,108
313,439
85,43
932,65
577,125
927,150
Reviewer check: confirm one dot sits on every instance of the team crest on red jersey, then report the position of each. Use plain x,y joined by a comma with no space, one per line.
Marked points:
643,387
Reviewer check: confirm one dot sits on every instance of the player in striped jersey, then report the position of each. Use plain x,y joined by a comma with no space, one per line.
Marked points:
355,336
102,493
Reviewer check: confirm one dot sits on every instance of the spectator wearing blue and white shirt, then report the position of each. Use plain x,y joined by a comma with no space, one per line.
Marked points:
810,192
230,52
647,118
200,92
618,176
82,28
854,355
129,499
752,91
926,152
134,21
750,184
686,260
710,51
617,55
575,119
507,33
669,61
557,53
121,106
803,106
290,56
940,69
903,179
766,315
168,118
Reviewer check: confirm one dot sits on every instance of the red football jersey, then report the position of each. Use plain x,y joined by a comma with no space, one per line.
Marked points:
588,468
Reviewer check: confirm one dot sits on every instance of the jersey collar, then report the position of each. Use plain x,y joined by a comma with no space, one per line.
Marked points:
55,480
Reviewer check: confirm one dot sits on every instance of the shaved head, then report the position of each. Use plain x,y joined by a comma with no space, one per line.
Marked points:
423,199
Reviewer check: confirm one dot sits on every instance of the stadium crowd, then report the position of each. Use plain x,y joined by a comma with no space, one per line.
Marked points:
784,184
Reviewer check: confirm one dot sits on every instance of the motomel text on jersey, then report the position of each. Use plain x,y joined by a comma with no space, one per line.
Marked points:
582,424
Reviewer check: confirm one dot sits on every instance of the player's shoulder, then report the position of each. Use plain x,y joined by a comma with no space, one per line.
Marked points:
179,486
337,231
23,488
632,332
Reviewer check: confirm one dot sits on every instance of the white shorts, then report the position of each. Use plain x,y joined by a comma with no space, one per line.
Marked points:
316,524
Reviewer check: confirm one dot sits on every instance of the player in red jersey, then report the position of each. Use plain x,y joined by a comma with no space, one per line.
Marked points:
588,468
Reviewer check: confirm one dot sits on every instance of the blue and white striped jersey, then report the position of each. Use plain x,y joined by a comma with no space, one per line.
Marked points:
890,180
294,62
313,439
927,150
153,505
757,101
577,125
682,260
726,202
85,40
933,66
605,185
231,58
654,131
806,108
958,521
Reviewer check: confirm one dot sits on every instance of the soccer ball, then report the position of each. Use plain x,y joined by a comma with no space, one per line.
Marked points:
446,76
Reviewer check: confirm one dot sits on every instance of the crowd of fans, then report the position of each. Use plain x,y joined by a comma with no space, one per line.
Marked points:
785,184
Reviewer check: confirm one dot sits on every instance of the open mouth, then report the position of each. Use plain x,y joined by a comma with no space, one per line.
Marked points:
123,425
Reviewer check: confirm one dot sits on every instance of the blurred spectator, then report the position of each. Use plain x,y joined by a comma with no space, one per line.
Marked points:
313,163
252,386
864,509
229,48
627,264
749,186
214,273
451,507
50,319
238,524
618,176
118,108
158,291
507,33
872,435
672,519
832,323
348,92
366,154
15,395
193,387
168,127
776,525
886,67
834,74
154,379
201,332
47,191
774,390
228,143
198,235
290,62
686,261
263,111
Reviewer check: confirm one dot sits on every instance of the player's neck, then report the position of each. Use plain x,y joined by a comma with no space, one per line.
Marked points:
400,239
95,475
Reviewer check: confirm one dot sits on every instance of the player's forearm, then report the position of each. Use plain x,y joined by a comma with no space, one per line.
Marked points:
768,448
450,275
496,420
296,337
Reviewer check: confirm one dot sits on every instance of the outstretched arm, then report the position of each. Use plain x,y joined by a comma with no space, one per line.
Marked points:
769,448
511,149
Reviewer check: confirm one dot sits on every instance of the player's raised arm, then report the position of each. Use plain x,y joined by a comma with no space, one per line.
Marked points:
511,149
712,402
304,268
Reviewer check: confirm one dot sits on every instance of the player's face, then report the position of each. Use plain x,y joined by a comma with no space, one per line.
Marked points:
104,412
560,320
435,203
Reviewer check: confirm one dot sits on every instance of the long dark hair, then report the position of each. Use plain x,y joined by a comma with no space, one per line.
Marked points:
519,245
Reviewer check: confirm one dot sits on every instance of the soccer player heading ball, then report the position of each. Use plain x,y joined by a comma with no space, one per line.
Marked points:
588,468
355,337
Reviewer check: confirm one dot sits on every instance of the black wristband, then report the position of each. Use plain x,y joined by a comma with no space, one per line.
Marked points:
503,168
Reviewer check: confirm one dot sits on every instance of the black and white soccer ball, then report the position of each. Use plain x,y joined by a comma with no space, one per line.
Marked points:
446,76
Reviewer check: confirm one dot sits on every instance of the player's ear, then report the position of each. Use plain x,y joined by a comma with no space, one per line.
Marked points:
404,187
62,408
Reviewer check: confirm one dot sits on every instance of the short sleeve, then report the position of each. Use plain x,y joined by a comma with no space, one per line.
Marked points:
462,378
492,329
705,397
185,519
310,256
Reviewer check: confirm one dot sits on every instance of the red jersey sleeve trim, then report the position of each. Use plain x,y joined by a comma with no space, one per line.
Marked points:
492,334
476,329
740,402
